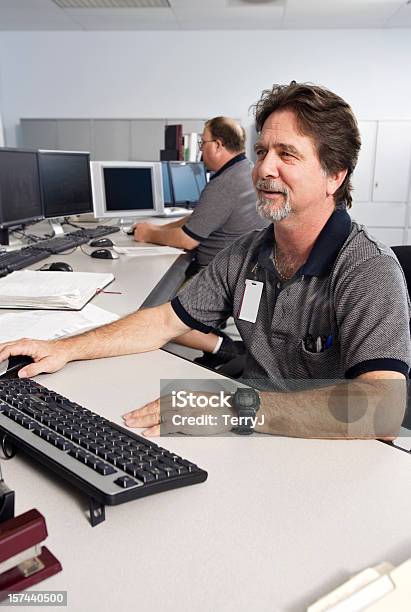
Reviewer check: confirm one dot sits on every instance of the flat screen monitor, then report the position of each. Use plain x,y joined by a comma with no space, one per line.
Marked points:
20,192
188,180
127,189
167,191
66,183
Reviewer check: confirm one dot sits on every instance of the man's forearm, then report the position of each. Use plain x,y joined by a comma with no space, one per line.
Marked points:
355,409
167,236
136,333
178,223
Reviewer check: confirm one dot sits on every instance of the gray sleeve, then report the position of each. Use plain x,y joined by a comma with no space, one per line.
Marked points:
206,301
373,314
213,209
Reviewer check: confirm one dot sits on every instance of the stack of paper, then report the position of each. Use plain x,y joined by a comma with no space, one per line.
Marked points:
147,251
51,290
41,325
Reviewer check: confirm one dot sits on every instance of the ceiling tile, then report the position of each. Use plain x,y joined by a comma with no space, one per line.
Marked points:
208,15
339,14
35,19
93,4
198,4
230,18
28,4
124,19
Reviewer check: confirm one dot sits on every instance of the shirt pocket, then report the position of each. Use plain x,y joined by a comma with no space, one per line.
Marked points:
323,365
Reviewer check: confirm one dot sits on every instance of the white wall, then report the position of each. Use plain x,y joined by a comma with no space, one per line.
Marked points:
196,74
203,74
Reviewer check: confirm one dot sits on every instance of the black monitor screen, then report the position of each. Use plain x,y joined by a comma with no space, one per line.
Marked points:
20,194
128,189
66,183
168,197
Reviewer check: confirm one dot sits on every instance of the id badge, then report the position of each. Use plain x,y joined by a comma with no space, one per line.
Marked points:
251,300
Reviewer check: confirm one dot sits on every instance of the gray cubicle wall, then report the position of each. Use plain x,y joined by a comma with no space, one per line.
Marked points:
106,139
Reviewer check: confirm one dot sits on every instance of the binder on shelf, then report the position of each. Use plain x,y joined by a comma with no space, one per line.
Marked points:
23,561
174,143
169,155
191,151
173,136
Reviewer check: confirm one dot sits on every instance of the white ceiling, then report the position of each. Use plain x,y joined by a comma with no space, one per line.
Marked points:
204,14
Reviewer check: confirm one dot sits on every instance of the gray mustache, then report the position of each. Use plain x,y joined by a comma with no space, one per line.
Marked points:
268,185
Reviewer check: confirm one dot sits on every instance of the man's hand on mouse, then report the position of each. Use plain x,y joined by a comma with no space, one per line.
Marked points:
141,231
48,356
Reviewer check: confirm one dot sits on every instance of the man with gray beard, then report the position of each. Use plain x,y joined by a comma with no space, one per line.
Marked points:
321,305
264,207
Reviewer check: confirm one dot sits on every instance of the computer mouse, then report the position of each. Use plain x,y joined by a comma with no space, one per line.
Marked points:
4,366
58,266
104,254
102,242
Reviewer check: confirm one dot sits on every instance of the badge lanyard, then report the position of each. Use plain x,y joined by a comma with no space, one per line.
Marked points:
250,301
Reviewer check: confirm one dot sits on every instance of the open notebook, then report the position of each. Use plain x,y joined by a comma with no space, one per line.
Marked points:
51,290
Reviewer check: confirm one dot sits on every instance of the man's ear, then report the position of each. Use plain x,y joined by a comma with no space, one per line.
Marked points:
220,144
334,181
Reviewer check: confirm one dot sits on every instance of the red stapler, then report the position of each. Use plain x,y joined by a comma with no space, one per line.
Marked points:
23,561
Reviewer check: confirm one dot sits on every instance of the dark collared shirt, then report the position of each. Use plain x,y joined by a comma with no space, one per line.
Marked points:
350,294
226,210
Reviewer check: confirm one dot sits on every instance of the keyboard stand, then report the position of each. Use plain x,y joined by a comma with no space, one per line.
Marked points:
97,512
97,509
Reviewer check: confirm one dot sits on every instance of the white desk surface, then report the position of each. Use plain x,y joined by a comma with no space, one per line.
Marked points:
278,523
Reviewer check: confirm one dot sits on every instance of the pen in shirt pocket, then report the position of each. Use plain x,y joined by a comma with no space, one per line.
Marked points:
319,345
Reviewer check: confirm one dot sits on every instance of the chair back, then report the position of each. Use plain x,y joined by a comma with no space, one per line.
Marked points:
403,254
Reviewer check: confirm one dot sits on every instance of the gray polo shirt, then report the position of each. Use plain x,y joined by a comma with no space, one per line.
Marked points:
226,210
351,292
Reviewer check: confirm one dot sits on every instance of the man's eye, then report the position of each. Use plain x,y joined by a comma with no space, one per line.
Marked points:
260,152
286,154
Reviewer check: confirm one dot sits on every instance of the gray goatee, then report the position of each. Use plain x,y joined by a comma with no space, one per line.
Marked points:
266,208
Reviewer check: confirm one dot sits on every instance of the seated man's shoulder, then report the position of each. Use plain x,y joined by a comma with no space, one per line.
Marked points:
362,247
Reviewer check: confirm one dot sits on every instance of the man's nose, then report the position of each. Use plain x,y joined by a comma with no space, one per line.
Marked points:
269,166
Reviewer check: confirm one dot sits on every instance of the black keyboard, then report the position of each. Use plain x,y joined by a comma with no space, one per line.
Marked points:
106,461
16,260
21,258
99,231
59,244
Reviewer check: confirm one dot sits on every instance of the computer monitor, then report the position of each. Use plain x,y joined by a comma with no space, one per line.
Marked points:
127,189
65,182
20,192
188,179
167,190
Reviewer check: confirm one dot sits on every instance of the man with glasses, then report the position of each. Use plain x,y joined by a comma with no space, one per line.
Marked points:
227,206
226,211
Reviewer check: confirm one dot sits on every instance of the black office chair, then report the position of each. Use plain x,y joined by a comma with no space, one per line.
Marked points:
403,254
